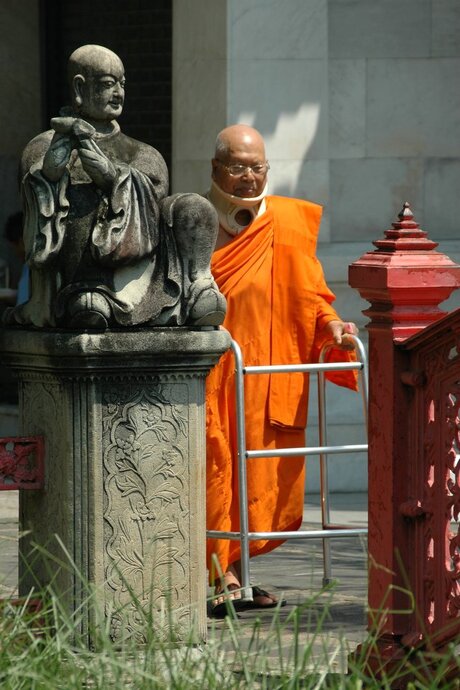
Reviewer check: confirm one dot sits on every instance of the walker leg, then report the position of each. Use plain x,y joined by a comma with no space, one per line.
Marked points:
327,568
242,478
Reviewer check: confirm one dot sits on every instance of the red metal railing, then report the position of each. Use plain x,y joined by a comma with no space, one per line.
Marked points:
414,442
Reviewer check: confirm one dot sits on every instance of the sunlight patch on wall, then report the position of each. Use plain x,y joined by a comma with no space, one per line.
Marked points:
288,144
294,133
246,118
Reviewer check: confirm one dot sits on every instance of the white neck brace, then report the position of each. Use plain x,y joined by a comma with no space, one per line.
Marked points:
236,212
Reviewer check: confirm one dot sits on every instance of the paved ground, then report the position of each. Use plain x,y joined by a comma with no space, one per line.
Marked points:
8,542
332,622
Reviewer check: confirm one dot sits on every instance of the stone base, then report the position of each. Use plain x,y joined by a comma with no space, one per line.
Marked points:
119,531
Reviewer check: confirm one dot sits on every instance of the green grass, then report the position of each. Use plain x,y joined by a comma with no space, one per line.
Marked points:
40,651
291,649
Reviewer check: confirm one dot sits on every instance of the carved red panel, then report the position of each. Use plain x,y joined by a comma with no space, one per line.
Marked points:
32,611
22,463
439,531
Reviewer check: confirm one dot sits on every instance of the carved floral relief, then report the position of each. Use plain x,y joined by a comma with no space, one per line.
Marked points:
146,510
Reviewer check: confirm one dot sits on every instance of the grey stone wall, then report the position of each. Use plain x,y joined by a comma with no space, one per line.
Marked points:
359,104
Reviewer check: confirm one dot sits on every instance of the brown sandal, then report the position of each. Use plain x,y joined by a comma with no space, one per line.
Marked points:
257,602
227,596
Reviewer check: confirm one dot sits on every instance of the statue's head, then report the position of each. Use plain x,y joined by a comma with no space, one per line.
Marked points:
97,83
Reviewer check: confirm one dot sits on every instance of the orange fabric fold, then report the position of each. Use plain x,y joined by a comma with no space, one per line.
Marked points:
277,306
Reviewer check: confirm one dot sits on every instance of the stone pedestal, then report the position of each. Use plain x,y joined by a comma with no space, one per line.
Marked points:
119,531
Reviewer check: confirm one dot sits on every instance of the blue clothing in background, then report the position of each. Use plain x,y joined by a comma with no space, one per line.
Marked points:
23,286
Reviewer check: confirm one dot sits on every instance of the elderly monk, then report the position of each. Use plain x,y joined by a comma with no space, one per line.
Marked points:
105,244
279,311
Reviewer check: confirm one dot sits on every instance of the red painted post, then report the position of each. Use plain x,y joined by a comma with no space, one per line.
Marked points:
404,280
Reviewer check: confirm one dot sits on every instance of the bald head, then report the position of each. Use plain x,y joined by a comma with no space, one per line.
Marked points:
239,145
237,138
91,59
97,80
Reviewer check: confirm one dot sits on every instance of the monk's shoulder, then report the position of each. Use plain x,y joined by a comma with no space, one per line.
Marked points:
298,220
290,205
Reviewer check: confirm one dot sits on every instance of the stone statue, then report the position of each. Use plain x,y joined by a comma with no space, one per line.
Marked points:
105,244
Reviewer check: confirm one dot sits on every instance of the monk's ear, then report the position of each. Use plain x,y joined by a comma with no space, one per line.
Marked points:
215,164
78,84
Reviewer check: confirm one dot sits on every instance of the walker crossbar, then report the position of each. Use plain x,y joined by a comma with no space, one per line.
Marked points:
307,450
328,530
336,531
307,368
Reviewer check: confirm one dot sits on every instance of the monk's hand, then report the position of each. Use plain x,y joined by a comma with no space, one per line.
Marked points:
57,157
100,169
340,332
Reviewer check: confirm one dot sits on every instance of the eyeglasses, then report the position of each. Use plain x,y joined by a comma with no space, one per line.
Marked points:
237,170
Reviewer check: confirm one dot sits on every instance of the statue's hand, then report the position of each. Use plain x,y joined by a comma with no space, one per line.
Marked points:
57,157
96,164
73,126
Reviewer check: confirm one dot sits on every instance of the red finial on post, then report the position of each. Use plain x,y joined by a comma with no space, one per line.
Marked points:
404,279
406,234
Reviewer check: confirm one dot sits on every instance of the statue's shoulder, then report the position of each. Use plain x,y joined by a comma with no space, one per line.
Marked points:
35,150
143,157
136,149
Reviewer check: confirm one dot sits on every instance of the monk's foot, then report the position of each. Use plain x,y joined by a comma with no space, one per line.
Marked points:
261,599
227,596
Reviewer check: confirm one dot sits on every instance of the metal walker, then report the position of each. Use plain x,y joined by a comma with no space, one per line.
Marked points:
323,450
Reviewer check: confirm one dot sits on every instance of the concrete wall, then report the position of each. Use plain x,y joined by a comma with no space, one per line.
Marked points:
359,104
199,89
20,104
358,101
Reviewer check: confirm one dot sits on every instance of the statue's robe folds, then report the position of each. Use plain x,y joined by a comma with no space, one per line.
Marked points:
277,307
79,239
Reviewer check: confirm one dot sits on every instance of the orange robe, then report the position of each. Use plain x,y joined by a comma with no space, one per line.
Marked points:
277,306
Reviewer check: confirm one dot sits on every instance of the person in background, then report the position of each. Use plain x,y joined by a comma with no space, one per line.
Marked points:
279,311
13,233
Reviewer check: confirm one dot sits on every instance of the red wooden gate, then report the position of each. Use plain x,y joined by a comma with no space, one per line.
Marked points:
414,439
